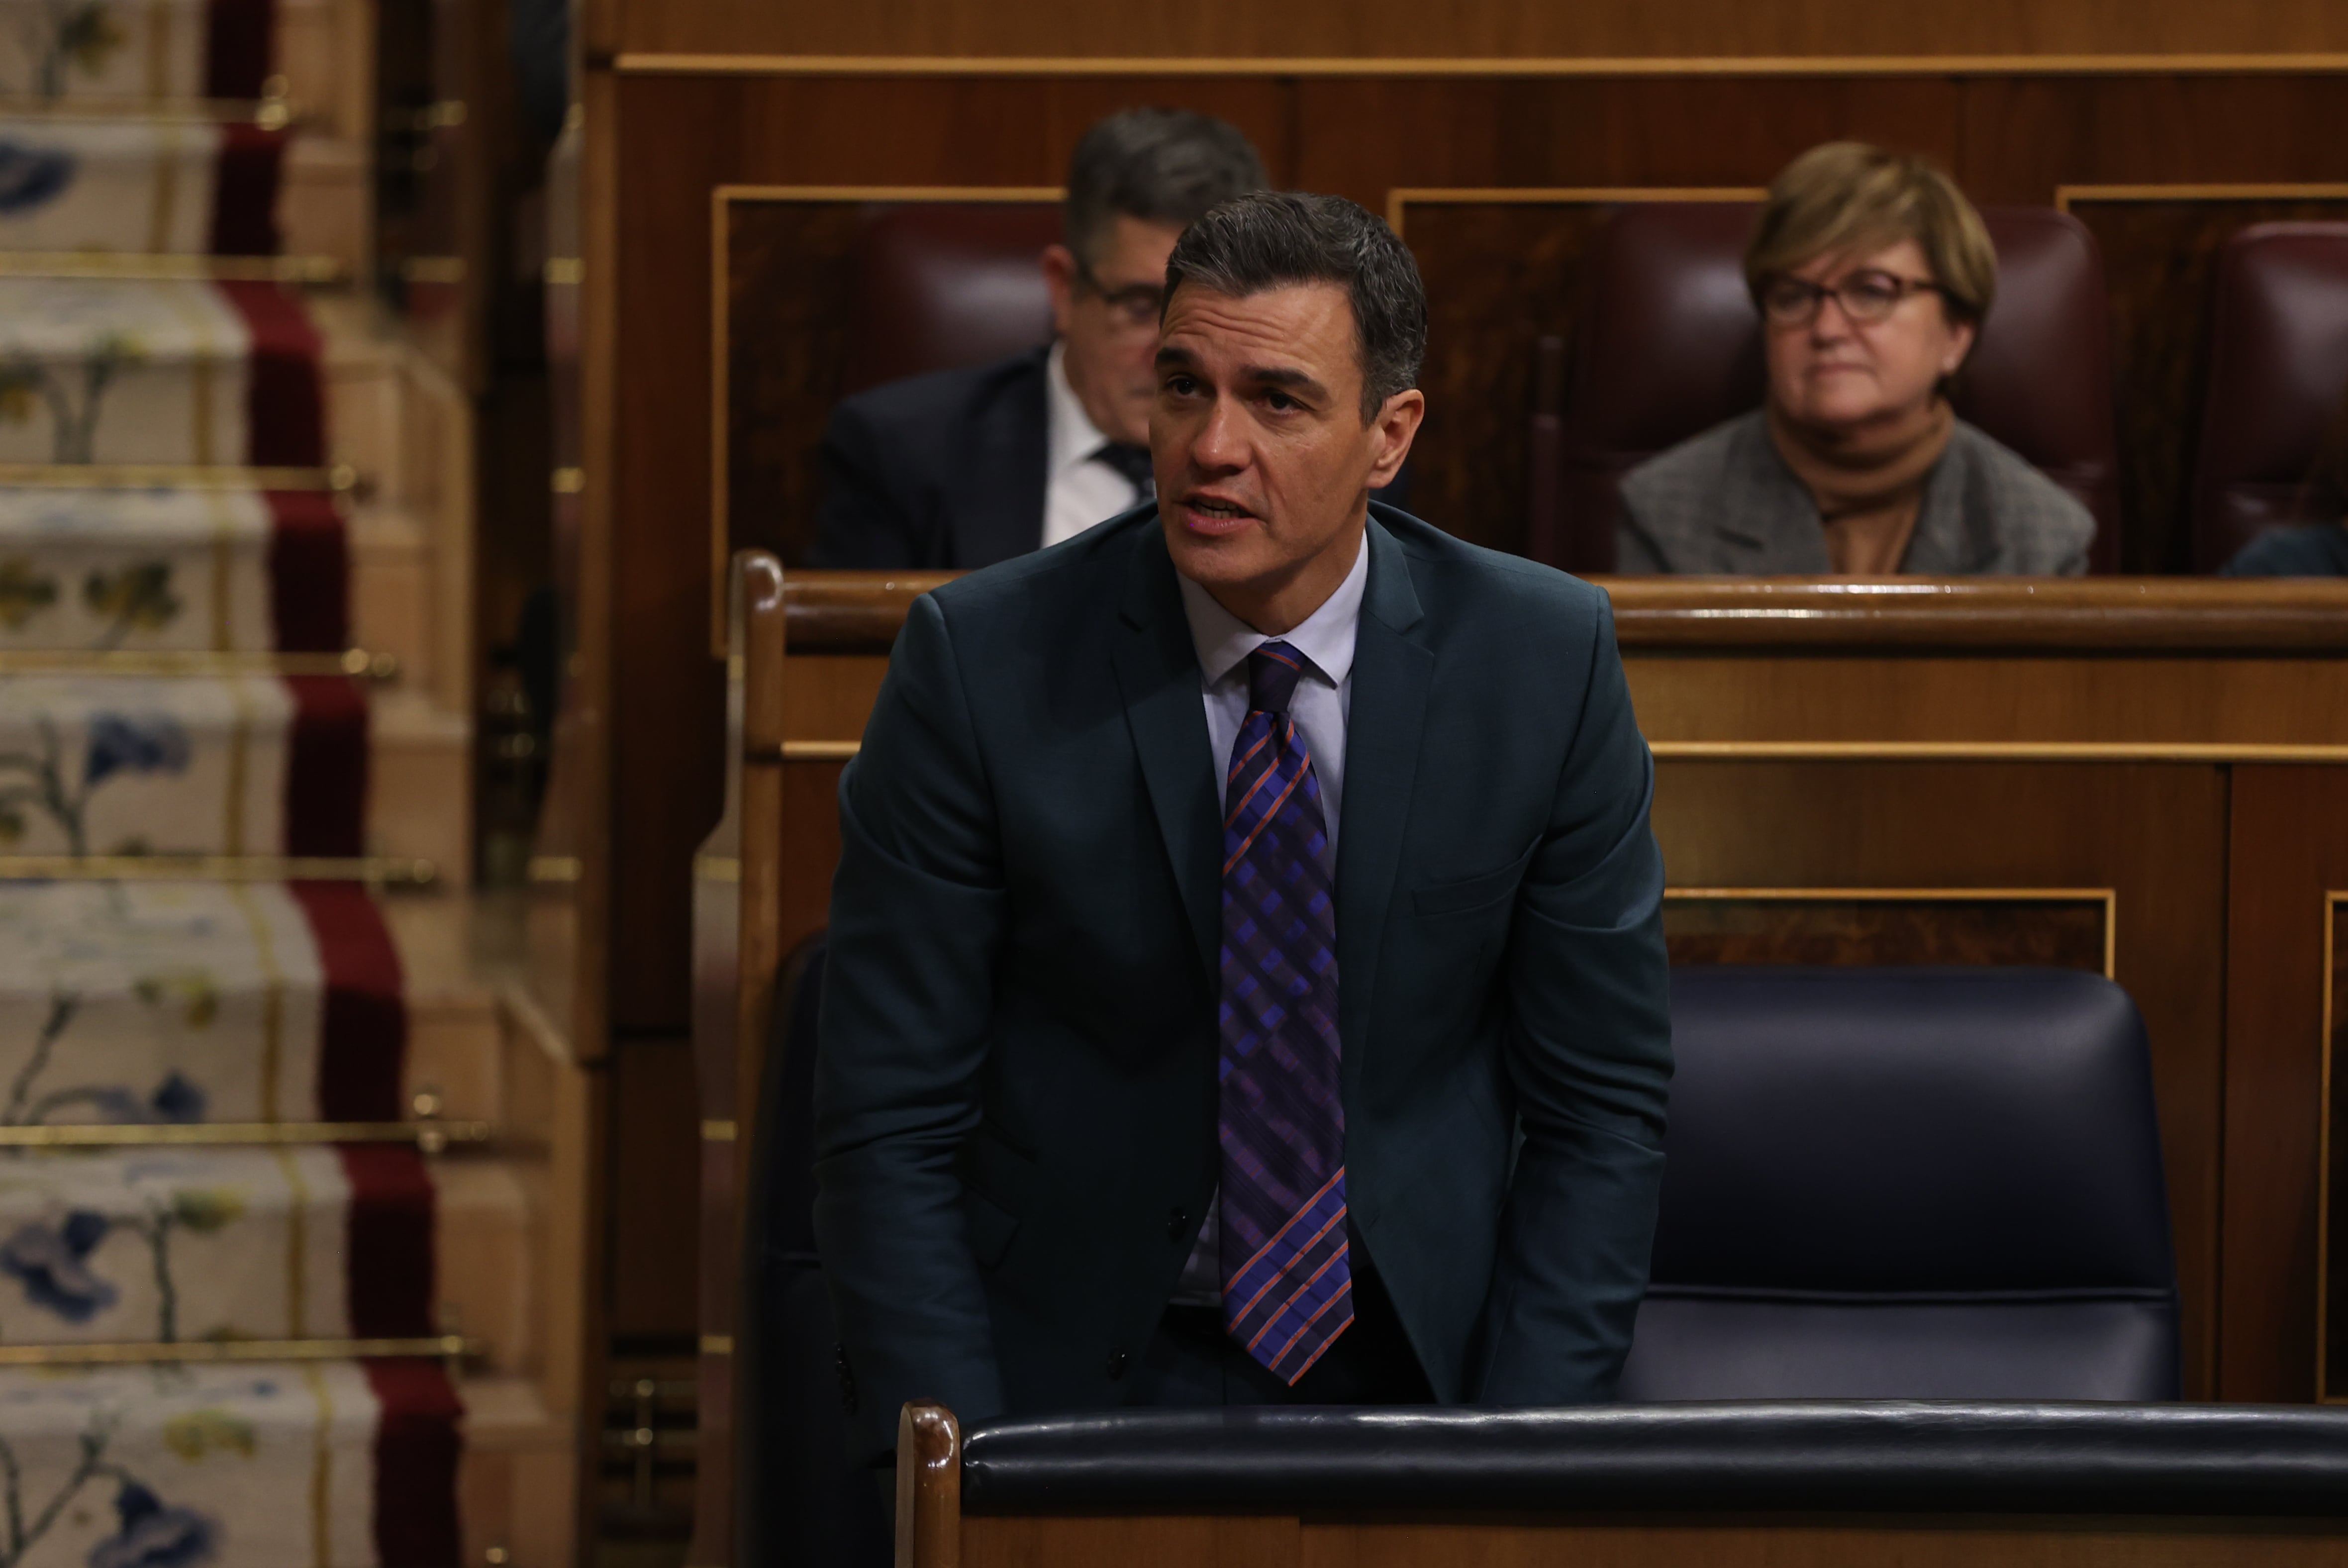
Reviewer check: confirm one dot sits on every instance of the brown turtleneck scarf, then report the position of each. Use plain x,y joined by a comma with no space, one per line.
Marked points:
1868,488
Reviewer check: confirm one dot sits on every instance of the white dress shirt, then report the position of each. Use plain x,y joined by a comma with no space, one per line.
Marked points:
1077,491
1322,706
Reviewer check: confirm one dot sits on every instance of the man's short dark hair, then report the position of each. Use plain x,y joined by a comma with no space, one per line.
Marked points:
1160,165
1278,237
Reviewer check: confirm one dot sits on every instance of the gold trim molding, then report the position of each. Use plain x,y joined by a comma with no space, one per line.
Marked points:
430,1136
722,199
376,870
649,63
438,1346
356,663
341,478
315,269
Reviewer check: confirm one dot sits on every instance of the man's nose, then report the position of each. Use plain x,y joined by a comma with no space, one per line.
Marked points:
1222,441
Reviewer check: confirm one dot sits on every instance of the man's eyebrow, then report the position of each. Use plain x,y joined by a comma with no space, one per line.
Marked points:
1171,354
1278,376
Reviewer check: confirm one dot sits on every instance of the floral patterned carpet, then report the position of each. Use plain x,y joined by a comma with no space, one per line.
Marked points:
148,1008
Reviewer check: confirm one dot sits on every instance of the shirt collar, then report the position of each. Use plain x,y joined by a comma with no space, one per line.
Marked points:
1071,437
1326,637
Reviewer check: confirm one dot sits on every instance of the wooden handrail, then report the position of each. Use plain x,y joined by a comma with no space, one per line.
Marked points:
736,946
928,1486
852,612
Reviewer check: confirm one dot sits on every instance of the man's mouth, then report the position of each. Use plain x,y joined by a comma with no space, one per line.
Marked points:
1213,514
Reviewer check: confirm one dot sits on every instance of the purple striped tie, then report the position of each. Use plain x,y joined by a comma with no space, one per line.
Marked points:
1288,1288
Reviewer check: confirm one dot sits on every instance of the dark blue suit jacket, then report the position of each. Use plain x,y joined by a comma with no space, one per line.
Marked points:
1016,1090
941,472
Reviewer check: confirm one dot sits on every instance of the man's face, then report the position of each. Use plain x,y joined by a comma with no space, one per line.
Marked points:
1263,462
1107,314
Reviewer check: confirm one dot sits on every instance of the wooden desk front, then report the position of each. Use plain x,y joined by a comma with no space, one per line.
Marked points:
2147,778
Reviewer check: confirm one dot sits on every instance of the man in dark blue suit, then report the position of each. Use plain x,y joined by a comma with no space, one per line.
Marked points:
1247,974
962,469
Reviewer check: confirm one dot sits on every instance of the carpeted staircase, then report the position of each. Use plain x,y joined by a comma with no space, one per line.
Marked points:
252,1311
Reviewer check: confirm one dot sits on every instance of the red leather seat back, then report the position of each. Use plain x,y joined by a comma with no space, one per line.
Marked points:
2278,362
1667,344
941,285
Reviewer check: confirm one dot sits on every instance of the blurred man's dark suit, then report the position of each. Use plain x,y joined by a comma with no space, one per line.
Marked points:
1017,1100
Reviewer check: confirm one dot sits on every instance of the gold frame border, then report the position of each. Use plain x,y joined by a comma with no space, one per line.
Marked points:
319,270
430,1136
1403,196
357,663
2107,897
2065,195
642,63
2333,899
340,477
721,202
209,1351
381,870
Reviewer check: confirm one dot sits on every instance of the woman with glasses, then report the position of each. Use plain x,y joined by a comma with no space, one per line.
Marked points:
1872,274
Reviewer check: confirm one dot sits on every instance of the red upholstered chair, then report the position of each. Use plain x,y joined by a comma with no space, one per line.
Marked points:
2278,362
937,286
1667,344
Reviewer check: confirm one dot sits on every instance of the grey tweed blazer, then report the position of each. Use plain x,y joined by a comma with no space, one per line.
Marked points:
1726,502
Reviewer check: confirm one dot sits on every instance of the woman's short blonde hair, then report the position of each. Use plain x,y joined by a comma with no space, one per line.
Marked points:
1851,196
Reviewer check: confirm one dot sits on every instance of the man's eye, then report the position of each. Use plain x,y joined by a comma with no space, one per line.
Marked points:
1180,386
1282,400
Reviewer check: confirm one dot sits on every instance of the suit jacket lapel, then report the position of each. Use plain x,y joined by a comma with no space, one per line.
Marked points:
1765,522
1392,673
1158,675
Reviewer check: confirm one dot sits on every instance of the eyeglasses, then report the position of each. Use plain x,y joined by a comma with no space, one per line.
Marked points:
1134,307
1866,297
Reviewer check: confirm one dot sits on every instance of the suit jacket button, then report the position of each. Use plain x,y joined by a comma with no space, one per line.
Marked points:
1117,1364
1177,1224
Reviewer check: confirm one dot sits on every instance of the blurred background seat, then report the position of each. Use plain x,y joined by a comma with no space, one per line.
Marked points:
941,285
1666,345
1909,1184
2278,362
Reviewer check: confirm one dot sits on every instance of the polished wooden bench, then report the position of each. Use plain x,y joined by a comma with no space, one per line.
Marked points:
1849,1485
2144,778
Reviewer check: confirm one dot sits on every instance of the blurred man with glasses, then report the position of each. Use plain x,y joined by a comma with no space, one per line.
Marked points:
965,468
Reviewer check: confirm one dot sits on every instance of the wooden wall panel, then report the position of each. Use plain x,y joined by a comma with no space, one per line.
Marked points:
1940,927
1361,138
2290,848
1492,29
2156,835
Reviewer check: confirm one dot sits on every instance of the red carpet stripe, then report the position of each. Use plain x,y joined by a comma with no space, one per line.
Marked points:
389,1250
416,1448
240,47
326,767
363,1025
245,191
309,572
285,404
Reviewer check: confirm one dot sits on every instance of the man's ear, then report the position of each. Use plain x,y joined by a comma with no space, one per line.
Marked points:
1395,426
1059,266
